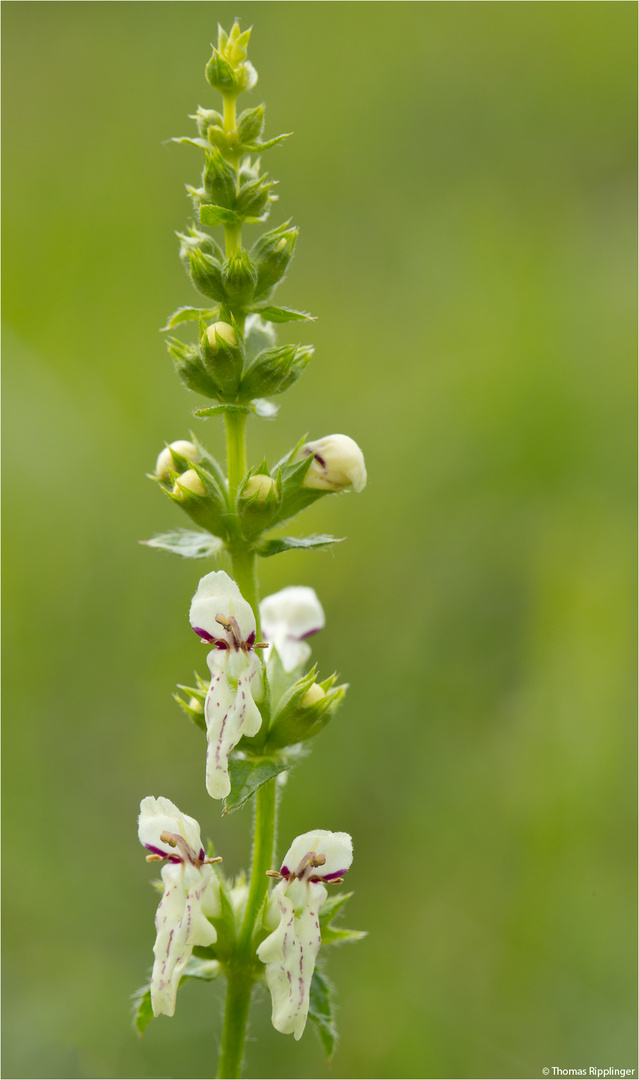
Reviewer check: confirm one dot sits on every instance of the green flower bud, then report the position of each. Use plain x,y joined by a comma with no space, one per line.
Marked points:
189,366
187,485
221,330
219,179
272,253
206,274
258,485
222,358
254,197
312,695
166,462
204,118
251,124
228,70
274,370
239,277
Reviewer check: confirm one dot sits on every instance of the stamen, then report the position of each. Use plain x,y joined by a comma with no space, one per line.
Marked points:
230,625
208,862
154,858
311,859
274,874
168,838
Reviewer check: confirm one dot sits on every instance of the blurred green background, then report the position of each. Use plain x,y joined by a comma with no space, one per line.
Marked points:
463,179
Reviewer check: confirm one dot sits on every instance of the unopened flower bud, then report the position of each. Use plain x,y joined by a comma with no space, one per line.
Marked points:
223,330
188,484
165,458
197,706
338,463
312,695
259,486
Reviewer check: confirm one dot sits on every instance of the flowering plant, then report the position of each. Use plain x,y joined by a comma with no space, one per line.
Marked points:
258,705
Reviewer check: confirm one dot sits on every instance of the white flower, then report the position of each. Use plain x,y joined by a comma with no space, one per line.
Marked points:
220,615
291,950
191,892
288,618
338,463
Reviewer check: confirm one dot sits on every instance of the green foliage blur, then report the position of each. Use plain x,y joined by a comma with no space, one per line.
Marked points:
463,178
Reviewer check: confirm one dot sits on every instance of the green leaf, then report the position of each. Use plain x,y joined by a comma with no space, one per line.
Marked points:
283,314
188,543
247,776
322,1011
188,314
142,1009
203,144
217,410
290,543
218,215
336,935
257,147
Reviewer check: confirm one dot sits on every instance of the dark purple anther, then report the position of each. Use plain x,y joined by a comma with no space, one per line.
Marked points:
309,633
285,871
203,633
329,877
251,638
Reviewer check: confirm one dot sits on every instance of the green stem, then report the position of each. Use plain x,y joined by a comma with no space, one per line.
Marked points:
263,847
238,999
235,452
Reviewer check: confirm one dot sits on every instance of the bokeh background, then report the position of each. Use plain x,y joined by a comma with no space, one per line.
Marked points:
463,178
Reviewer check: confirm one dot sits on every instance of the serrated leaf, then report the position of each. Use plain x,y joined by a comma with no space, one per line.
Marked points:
291,543
142,1009
247,776
283,314
188,543
217,410
321,1011
188,314
218,215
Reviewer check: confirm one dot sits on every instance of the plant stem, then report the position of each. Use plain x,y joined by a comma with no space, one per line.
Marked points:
241,971
263,845
235,452
238,999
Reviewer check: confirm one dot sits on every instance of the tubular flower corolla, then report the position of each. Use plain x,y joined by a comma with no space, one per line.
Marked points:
289,953
191,892
288,618
223,618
